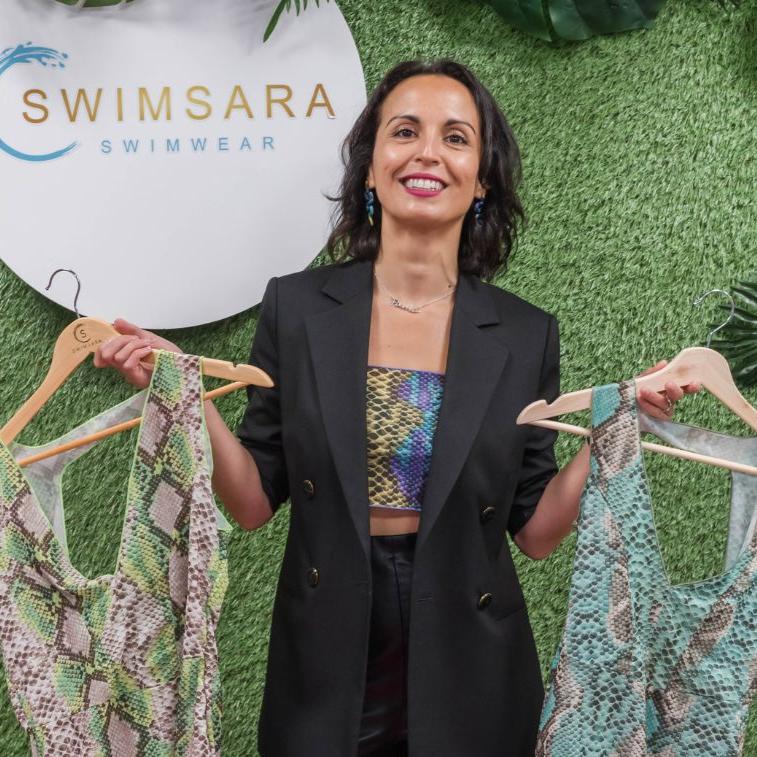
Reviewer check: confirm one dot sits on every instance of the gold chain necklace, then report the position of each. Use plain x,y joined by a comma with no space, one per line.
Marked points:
397,303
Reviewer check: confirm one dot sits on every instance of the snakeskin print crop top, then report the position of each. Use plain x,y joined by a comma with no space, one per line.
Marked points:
401,413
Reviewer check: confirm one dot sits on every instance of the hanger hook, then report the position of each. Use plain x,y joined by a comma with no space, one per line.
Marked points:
78,287
699,300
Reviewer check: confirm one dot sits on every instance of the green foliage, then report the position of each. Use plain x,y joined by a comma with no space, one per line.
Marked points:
580,19
286,5
547,19
738,342
577,19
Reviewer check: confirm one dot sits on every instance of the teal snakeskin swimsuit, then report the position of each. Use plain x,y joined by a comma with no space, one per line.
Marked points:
645,667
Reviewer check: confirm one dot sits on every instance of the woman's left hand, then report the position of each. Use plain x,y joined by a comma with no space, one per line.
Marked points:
662,404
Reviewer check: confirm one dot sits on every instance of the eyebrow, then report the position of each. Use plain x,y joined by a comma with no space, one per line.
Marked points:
416,120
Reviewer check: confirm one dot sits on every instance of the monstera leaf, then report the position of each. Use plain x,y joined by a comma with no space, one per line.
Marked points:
579,19
738,342
285,5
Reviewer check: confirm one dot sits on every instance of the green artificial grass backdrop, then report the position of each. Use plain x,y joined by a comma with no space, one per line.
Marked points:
639,181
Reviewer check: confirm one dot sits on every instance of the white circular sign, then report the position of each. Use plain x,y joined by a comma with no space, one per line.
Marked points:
167,154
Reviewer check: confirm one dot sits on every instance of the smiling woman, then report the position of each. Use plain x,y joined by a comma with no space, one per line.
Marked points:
481,157
399,625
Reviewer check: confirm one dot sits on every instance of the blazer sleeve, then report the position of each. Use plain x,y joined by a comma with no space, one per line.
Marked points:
539,465
260,428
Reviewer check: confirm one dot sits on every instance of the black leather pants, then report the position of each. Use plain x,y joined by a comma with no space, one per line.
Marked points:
383,728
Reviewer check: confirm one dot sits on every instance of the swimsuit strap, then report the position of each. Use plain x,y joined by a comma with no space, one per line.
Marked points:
615,445
44,476
617,424
740,449
618,479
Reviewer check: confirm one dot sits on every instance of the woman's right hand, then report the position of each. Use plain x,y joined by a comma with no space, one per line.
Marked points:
125,352
236,478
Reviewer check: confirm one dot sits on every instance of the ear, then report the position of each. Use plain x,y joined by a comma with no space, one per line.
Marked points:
481,188
369,178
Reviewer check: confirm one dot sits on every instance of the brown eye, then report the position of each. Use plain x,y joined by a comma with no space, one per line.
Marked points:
458,139
403,132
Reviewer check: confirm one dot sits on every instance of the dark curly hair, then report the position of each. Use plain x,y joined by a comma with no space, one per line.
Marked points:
484,247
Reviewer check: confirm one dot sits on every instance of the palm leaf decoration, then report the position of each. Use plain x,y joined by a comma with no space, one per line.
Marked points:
286,5
738,338
580,19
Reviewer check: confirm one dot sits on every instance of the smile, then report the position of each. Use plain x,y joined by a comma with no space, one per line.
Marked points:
422,187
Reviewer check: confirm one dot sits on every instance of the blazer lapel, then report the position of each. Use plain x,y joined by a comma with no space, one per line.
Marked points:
338,340
475,360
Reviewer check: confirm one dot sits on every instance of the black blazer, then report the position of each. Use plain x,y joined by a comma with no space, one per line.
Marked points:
474,685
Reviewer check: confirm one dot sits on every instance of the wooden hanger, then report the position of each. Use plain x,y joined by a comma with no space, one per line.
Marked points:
693,365
80,339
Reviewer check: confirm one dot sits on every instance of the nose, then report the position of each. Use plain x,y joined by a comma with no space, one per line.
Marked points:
428,149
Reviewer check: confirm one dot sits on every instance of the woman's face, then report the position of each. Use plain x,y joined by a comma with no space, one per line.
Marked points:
427,152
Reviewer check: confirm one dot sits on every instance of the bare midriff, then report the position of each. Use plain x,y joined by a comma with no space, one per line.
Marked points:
385,522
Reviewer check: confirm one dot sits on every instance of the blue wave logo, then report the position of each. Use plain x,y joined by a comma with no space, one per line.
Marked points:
45,56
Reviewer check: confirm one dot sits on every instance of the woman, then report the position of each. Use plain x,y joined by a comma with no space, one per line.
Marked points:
399,622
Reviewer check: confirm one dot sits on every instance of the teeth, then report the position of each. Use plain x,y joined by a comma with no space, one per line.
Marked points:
427,184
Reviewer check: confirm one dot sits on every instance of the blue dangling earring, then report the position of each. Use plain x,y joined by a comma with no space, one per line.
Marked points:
478,210
369,200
